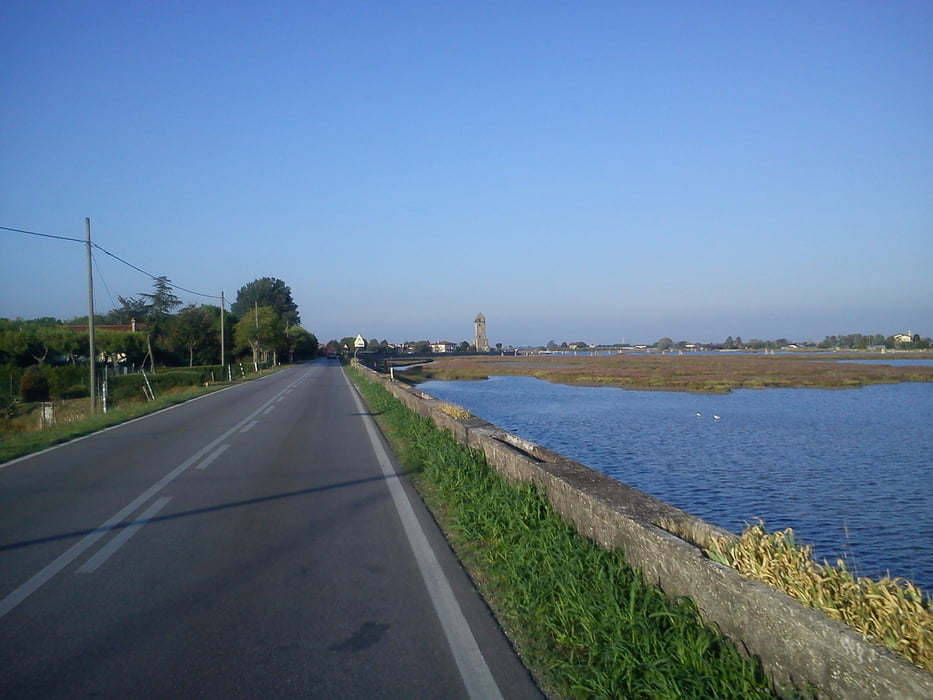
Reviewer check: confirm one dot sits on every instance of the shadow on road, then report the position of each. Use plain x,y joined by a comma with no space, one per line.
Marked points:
189,513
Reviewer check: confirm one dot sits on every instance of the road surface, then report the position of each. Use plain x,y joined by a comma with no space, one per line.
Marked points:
254,543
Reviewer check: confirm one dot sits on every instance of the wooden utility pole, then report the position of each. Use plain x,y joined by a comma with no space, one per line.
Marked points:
90,317
221,329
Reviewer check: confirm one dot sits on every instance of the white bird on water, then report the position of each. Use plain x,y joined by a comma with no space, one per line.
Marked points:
699,415
715,417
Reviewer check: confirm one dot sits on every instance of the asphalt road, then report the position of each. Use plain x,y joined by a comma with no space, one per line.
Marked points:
255,543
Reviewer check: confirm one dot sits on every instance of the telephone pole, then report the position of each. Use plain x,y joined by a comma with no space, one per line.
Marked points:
221,328
90,317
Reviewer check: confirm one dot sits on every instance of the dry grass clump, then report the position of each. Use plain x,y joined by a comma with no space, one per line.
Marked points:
454,411
891,611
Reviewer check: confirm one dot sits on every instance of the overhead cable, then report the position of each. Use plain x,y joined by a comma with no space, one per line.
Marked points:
115,257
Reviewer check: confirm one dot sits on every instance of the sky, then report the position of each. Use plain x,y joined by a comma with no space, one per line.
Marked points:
576,171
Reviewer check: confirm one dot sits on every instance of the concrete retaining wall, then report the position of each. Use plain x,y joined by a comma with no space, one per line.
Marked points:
799,647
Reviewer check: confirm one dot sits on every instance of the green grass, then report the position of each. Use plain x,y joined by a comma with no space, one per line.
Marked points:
584,621
17,444
19,436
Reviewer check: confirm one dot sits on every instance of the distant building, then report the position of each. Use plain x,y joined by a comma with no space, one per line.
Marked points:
443,346
903,338
480,341
131,327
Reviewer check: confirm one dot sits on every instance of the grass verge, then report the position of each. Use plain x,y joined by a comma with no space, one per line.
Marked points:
17,444
584,621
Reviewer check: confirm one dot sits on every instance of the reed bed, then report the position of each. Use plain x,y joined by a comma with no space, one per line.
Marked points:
713,374
891,611
585,622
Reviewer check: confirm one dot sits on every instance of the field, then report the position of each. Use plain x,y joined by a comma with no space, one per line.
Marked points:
713,374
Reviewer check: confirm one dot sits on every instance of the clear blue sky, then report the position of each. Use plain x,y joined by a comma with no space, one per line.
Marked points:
592,171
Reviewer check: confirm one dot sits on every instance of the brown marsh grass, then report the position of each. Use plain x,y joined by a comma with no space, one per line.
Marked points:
715,374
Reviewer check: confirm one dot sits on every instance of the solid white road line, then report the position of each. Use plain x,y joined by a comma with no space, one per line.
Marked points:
109,549
474,671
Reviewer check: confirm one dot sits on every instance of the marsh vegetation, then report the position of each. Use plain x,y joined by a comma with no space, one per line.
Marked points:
717,373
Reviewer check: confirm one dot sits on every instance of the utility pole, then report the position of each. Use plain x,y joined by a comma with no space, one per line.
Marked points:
90,317
221,328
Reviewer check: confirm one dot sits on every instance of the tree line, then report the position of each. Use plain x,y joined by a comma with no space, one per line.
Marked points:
262,324
851,341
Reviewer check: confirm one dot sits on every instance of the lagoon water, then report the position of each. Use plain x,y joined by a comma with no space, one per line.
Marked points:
850,470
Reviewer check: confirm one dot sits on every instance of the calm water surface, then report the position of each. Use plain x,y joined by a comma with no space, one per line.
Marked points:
849,470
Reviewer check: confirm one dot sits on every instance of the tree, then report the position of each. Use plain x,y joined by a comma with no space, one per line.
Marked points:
162,301
130,308
302,345
38,343
270,292
664,344
33,385
14,347
192,328
158,305
120,346
262,332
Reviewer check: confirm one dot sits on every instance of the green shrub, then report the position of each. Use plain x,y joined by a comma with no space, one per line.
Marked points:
212,373
10,376
162,381
75,391
34,386
65,380
128,387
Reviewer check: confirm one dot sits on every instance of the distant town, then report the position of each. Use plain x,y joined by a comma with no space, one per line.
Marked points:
852,342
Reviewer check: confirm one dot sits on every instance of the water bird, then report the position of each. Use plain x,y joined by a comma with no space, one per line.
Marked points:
715,417
699,415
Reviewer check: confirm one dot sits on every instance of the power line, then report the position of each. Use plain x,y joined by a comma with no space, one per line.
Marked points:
43,235
101,275
115,257
150,275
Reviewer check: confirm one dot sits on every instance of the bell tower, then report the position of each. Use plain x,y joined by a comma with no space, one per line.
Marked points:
480,341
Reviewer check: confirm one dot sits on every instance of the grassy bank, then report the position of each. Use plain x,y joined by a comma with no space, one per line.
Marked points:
694,373
20,432
74,420
584,621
